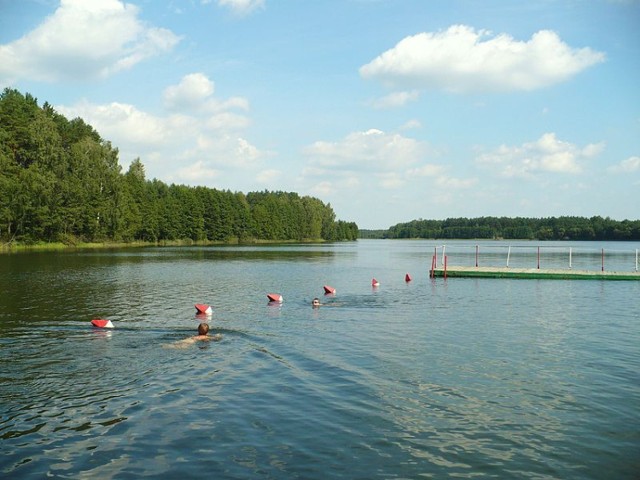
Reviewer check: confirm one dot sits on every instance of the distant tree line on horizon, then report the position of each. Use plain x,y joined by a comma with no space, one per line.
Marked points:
61,182
552,228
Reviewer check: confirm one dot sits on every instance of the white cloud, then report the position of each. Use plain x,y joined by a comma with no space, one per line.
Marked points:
371,171
547,154
84,40
451,183
197,173
374,158
192,91
631,164
224,151
192,145
426,171
323,189
371,151
395,99
390,180
227,121
268,176
462,59
411,124
241,7
345,186
194,94
124,124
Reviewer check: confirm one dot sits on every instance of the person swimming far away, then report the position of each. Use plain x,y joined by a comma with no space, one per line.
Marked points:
203,335
315,303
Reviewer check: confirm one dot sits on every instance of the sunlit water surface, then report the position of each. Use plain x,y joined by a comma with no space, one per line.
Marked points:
465,378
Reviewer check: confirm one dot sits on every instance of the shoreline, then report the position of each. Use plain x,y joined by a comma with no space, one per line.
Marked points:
17,247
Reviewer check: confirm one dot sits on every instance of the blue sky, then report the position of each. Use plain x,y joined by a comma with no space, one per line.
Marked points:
389,110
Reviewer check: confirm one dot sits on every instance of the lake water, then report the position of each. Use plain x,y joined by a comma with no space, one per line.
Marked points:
464,378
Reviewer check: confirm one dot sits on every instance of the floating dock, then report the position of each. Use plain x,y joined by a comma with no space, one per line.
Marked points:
507,272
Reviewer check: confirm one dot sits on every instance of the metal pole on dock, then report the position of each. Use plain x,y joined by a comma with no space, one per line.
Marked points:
538,258
569,257
636,259
477,255
603,259
508,255
434,261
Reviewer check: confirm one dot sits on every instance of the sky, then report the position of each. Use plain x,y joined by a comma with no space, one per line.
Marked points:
388,110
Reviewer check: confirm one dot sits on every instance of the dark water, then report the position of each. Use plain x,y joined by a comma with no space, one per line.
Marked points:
464,378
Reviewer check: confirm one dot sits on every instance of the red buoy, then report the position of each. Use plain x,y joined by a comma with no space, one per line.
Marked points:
329,290
101,323
204,308
407,278
274,297
375,283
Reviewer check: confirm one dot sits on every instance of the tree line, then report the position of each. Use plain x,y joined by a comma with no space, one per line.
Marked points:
61,182
552,228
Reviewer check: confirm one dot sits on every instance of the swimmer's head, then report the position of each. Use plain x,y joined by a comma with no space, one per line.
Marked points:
316,302
203,329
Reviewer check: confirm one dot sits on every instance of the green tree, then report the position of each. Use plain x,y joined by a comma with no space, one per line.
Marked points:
60,180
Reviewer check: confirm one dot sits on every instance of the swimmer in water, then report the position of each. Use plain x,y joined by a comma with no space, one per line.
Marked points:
203,330
315,303
203,335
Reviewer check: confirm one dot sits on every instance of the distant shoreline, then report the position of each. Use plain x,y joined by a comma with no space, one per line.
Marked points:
15,247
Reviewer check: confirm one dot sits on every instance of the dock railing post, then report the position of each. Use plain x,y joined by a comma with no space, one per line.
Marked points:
477,255
569,258
603,259
434,261
538,258
445,267
636,259
443,257
508,255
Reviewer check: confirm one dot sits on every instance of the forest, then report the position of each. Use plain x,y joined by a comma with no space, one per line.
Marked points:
552,228
61,182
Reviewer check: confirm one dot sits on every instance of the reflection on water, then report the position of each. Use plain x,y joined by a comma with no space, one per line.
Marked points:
464,377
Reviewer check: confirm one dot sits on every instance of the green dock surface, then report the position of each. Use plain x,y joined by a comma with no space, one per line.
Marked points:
506,272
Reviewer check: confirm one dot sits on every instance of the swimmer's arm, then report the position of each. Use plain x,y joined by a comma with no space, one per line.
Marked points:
180,343
190,341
